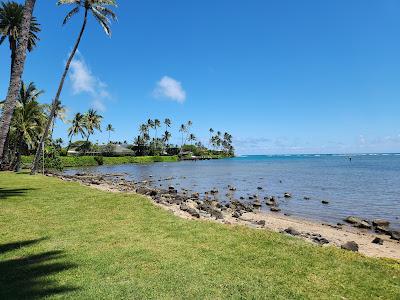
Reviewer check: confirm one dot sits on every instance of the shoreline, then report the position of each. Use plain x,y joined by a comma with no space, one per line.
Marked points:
191,207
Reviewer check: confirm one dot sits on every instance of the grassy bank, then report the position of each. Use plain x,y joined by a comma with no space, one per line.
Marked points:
62,239
86,161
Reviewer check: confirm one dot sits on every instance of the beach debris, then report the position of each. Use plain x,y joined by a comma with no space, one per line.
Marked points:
287,195
380,222
377,241
325,202
291,231
350,246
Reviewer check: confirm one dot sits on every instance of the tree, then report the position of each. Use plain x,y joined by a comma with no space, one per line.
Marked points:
211,130
192,138
102,14
16,73
157,124
92,122
78,127
11,15
28,121
182,130
166,137
110,129
167,123
60,113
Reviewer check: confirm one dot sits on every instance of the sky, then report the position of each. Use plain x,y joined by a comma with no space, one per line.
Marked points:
282,77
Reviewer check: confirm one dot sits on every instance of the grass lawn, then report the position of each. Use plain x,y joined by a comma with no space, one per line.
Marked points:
63,240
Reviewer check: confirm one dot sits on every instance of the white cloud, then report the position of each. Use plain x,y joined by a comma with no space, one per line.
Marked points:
171,89
84,82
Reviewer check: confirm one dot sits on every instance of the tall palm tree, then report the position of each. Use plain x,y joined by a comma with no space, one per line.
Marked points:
165,138
182,130
110,129
28,121
192,138
211,130
157,124
16,74
60,113
102,14
92,122
77,127
11,14
167,123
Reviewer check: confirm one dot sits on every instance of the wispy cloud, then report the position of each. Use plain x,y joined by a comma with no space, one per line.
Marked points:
170,88
84,82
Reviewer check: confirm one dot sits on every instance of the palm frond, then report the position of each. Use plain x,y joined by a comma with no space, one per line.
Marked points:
71,14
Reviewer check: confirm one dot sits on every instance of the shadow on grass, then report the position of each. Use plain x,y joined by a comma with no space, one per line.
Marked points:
8,193
30,277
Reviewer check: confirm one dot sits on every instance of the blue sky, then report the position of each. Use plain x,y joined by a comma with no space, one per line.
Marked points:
284,76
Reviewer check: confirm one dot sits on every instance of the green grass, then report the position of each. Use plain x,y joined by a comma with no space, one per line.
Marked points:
86,161
63,240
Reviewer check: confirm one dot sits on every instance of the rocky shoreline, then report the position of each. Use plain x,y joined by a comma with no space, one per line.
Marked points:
358,236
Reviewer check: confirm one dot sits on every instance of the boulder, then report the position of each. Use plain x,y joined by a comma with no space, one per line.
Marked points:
236,214
306,198
184,207
377,241
193,212
275,209
257,203
320,240
357,222
395,235
287,195
292,231
259,188
325,202
380,222
260,222
350,246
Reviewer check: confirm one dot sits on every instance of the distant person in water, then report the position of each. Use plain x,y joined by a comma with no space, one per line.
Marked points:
350,158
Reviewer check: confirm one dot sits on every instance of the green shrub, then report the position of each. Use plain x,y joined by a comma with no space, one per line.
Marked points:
99,160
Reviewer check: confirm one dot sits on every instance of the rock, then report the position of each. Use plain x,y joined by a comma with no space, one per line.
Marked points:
320,240
193,212
380,222
292,231
251,198
259,188
395,235
383,230
236,214
378,241
324,202
275,209
306,198
241,198
261,222
214,192
257,203
357,222
232,188
184,207
350,246
287,195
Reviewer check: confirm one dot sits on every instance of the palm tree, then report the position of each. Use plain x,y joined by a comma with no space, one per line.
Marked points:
167,123
78,127
16,74
157,124
165,138
92,122
28,121
60,113
192,138
11,14
110,129
211,130
182,130
101,12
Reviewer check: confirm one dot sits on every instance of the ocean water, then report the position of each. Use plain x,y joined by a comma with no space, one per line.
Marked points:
368,186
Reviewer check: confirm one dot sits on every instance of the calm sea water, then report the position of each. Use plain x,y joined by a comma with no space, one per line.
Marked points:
368,186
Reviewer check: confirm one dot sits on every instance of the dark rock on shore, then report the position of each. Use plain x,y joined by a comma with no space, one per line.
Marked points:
275,209
320,240
287,195
395,235
210,210
357,222
257,203
261,223
325,202
259,188
236,214
378,241
380,222
350,246
292,231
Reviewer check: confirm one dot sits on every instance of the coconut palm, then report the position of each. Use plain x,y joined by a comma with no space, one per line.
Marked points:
77,127
92,122
211,130
11,14
157,124
16,74
28,121
102,14
60,113
167,123
192,138
182,130
110,129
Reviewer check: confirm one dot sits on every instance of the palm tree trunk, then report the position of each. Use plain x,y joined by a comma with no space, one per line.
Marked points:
56,99
13,47
16,74
69,146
